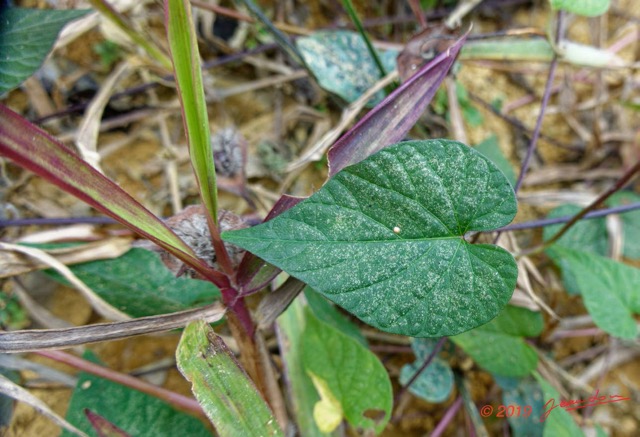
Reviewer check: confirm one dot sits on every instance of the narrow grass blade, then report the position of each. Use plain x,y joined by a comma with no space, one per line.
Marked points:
390,121
187,68
282,39
35,150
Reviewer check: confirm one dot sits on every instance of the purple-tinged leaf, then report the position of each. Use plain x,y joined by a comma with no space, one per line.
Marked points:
103,427
37,151
390,121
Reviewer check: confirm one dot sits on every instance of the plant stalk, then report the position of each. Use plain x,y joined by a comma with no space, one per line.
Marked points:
543,106
348,5
604,196
176,399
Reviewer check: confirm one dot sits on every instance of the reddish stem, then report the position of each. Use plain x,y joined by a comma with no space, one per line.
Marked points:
447,418
176,399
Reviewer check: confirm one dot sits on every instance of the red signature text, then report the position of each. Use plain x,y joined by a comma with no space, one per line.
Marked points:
576,404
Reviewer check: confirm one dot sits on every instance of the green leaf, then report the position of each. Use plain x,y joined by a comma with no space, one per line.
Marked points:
224,390
630,223
609,289
557,421
435,383
302,393
383,239
470,114
26,37
327,312
350,378
587,235
342,64
138,284
491,150
186,63
588,8
526,395
499,346
137,413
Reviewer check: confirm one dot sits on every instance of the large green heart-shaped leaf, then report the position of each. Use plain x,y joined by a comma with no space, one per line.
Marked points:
384,239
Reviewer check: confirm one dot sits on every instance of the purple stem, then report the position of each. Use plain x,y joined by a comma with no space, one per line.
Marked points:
514,227
543,107
447,418
545,101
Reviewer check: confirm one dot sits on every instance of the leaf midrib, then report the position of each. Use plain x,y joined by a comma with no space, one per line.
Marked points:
398,240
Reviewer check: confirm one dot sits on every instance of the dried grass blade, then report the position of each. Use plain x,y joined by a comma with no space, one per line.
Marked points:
9,388
35,339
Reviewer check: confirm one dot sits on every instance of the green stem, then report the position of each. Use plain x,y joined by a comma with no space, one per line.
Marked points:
372,51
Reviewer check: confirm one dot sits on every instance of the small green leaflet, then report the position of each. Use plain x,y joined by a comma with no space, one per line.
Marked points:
588,8
300,389
610,290
384,239
557,421
499,346
26,37
328,313
491,149
586,235
435,382
342,64
630,223
524,394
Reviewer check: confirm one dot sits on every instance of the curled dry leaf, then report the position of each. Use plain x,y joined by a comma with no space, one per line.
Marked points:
422,48
191,226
